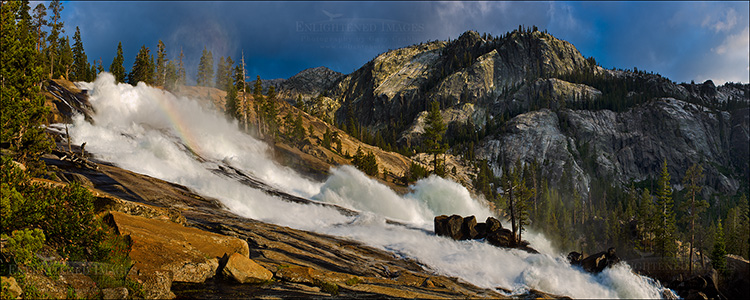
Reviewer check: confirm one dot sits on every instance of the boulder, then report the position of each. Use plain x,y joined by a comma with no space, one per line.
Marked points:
468,228
155,284
501,238
190,254
599,261
82,285
439,223
449,226
10,286
493,224
115,293
574,258
481,230
245,270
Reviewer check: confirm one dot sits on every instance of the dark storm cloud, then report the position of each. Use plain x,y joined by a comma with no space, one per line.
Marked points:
682,41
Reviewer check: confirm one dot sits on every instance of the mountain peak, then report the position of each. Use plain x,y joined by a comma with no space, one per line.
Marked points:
470,35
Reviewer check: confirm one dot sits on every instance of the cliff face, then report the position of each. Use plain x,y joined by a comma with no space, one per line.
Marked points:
621,147
483,79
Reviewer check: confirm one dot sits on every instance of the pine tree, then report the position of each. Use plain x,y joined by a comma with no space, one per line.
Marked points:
38,23
65,58
271,112
81,67
433,134
231,106
645,222
525,194
238,78
205,68
91,74
20,94
117,67
736,229
161,64
56,29
238,82
515,195
692,182
142,68
170,78
719,252
220,82
327,139
666,229
228,71
224,73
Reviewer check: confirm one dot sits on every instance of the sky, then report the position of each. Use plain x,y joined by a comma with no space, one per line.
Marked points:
683,41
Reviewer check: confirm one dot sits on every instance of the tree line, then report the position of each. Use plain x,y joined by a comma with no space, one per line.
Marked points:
647,218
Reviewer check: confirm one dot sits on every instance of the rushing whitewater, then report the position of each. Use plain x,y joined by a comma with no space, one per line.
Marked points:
152,132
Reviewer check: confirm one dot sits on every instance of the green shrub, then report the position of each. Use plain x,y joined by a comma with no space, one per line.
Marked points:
115,262
327,287
23,244
65,214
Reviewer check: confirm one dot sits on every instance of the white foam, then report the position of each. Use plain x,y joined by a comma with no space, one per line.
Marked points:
149,131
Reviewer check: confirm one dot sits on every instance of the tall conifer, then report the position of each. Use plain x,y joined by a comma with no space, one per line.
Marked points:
142,68
666,228
117,67
205,69
81,69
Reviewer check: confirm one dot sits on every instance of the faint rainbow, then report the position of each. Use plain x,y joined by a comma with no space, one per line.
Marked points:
181,126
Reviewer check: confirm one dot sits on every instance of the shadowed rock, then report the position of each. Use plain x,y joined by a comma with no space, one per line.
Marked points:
468,228
598,262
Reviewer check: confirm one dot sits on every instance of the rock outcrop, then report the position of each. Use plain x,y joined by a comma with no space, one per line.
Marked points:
10,287
308,83
594,263
467,228
190,254
244,270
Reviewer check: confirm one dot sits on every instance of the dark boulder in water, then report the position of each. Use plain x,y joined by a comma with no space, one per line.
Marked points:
574,258
468,228
501,238
493,224
595,263
449,226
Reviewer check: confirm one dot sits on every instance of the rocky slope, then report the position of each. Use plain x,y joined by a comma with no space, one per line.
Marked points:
308,83
186,245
